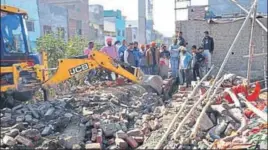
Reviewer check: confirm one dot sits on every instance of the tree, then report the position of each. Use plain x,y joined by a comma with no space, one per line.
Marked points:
56,48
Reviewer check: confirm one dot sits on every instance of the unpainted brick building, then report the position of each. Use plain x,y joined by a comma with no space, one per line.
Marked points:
224,32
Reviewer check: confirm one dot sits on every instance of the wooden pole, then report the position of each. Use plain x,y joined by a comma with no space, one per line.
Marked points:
251,49
164,137
193,135
258,112
246,11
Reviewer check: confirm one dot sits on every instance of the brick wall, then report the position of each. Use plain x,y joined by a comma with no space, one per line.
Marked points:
224,35
196,12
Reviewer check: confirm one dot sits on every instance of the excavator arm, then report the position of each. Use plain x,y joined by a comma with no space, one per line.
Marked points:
70,67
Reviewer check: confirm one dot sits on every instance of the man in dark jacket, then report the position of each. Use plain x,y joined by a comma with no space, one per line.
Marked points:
181,40
197,61
208,46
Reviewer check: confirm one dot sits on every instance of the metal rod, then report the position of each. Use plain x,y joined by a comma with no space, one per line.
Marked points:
193,135
251,49
246,11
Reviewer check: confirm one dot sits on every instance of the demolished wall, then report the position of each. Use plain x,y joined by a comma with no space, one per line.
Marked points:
224,34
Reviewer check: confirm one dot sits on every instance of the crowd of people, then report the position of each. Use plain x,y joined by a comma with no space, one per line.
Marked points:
185,65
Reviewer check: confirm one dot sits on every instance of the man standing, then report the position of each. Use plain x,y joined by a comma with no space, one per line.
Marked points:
129,57
143,63
181,40
89,49
164,62
110,49
174,59
122,50
152,55
92,72
137,54
208,46
185,65
197,61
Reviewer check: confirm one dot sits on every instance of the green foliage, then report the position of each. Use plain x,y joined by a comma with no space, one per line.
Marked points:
57,48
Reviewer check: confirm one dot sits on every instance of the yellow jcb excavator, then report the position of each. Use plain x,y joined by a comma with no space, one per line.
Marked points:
23,72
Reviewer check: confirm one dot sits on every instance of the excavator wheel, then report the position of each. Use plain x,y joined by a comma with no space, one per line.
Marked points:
23,96
15,98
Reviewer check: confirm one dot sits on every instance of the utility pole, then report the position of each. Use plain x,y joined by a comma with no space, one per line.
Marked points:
251,49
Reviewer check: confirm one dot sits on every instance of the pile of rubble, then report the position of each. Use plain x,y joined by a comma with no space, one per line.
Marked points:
234,119
116,117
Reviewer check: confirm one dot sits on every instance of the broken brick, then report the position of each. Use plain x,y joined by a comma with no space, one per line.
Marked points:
121,134
94,133
99,137
93,146
97,125
132,142
138,139
24,141
10,141
134,132
120,143
114,118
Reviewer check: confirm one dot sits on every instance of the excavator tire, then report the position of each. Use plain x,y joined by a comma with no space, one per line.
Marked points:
23,96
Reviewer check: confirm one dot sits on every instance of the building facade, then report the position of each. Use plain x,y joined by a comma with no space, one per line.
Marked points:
33,22
196,9
132,34
53,19
78,16
96,23
110,30
119,20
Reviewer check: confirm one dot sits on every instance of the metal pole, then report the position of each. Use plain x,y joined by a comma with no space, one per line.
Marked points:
222,66
246,11
251,49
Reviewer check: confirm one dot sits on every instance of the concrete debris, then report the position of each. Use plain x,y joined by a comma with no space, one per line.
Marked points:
106,118
129,117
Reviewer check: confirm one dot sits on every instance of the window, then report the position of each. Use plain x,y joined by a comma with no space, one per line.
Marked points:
79,27
30,26
134,36
47,29
12,33
118,33
61,32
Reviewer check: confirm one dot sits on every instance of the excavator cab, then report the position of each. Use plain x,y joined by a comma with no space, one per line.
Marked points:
15,48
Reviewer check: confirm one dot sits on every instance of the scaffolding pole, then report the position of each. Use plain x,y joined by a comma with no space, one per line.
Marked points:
193,134
251,49
246,11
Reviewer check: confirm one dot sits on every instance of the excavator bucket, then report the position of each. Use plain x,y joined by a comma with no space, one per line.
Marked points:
153,81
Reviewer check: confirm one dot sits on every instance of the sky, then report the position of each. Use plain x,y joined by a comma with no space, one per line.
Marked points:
164,20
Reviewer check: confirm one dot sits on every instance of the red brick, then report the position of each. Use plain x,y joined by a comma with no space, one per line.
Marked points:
114,118
132,142
99,136
95,146
97,125
120,81
24,141
121,144
134,132
138,139
121,134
